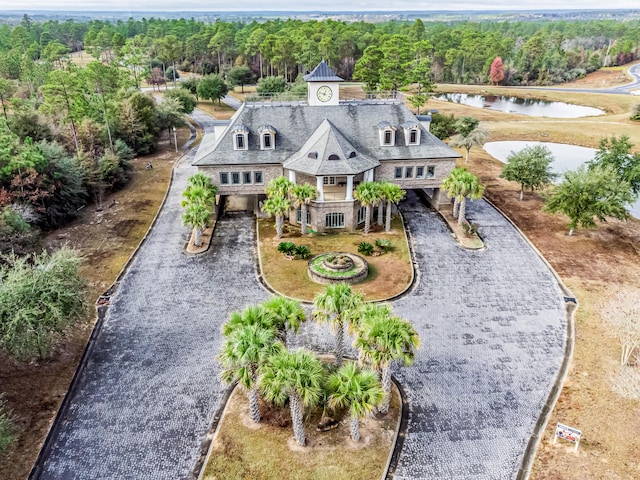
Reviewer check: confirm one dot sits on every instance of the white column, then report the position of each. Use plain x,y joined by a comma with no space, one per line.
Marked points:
368,176
349,187
319,187
292,176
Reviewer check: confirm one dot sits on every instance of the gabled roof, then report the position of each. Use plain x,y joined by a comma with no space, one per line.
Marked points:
328,152
322,73
295,123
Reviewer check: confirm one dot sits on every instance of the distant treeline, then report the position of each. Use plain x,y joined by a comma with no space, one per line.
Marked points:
533,52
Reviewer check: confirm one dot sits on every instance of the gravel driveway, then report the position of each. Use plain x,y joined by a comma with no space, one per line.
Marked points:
492,325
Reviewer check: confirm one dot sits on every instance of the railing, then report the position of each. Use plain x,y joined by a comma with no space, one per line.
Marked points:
349,95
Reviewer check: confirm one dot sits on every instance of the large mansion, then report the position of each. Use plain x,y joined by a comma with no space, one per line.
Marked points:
329,143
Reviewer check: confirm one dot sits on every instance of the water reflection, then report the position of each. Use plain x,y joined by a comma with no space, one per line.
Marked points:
567,157
523,106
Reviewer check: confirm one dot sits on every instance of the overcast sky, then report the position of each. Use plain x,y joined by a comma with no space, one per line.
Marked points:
297,5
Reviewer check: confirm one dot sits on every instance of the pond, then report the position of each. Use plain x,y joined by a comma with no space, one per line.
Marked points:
523,106
567,157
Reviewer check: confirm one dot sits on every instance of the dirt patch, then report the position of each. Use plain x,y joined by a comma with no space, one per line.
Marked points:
105,239
603,78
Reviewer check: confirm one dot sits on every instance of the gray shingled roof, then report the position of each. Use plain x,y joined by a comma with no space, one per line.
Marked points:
295,123
322,73
327,143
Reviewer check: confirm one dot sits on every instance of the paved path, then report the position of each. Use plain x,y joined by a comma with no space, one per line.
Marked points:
492,325
493,328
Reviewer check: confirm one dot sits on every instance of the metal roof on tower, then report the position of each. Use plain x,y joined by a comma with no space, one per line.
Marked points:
322,73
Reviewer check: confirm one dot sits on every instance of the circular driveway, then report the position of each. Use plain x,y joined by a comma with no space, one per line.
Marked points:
492,325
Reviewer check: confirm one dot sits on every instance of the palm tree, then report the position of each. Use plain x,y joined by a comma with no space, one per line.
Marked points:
336,304
199,199
297,377
303,195
472,189
358,390
196,216
475,138
383,339
251,315
200,179
279,187
285,314
198,194
392,193
368,193
244,350
453,186
277,206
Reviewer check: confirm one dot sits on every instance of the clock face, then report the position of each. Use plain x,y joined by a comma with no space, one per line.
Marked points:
324,94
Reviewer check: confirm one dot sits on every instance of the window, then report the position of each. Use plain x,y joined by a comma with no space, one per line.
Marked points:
412,131
224,178
431,171
334,220
362,215
419,172
299,216
387,133
235,178
246,177
257,177
267,136
333,156
398,172
241,143
408,172
329,181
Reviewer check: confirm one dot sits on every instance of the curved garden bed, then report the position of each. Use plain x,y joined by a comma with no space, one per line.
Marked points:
336,267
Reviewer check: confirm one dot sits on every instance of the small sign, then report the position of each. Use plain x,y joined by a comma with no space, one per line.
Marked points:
567,433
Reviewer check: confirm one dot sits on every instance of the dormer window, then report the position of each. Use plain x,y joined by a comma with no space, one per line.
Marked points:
267,137
387,134
240,137
411,133
333,156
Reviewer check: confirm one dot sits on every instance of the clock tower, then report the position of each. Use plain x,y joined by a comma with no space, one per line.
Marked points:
322,86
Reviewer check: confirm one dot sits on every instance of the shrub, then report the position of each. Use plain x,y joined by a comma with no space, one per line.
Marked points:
302,252
636,113
16,234
383,244
288,248
186,100
40,295
365,248
169,74
271,85
469,229
6,429
442,126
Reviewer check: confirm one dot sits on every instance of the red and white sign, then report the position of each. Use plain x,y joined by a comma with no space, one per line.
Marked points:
567,433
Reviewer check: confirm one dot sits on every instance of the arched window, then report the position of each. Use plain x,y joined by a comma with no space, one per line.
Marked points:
333,156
